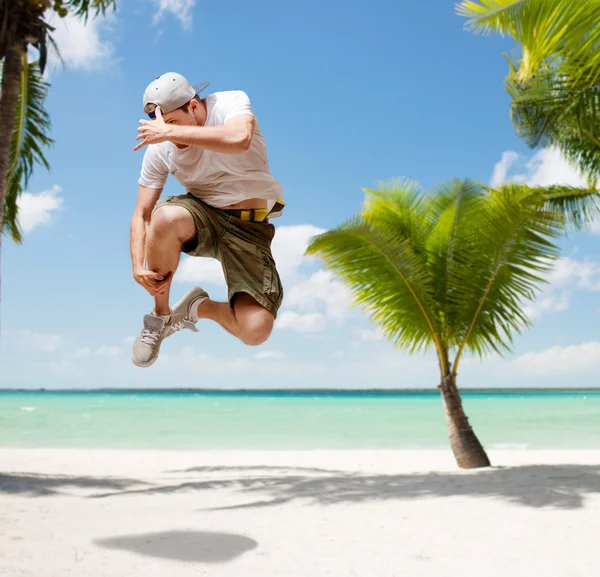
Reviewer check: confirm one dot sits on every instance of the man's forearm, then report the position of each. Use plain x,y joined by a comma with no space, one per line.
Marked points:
225,139
137,242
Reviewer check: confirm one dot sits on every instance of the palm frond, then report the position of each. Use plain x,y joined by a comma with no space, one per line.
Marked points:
83,8
451,241
488,16
380,255
29,138
553,109
516,249
549,31
576,208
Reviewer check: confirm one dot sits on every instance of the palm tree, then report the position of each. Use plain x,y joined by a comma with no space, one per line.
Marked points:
24,124
449,270
29,137
555,85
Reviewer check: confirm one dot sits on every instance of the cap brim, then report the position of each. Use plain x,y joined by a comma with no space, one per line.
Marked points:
200,87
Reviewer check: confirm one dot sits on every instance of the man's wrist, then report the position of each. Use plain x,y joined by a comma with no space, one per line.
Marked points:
170,132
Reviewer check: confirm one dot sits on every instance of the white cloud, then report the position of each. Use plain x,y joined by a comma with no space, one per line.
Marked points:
583,274
320,289
200,270
560,359
269,355
567,273
108,351
550,303
37,209
46,343
181,9
501,168
79,43
548,167
289,245
545,168
315,299
308,323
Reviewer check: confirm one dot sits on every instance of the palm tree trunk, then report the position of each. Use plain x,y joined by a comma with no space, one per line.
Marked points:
465,445
11,78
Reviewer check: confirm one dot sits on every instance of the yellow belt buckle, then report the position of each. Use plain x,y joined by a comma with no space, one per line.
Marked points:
261,213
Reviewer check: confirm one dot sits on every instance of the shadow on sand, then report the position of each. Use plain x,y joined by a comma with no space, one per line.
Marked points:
187,546
562,486
35,485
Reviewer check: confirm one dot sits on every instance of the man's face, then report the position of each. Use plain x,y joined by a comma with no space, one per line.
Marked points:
181,118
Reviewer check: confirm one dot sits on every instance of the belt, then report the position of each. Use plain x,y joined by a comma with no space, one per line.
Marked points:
258,214
253,214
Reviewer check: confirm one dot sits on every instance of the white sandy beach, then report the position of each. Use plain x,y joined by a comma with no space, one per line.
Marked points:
297,514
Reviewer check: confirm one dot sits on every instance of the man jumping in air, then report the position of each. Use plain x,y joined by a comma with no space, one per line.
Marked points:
215,149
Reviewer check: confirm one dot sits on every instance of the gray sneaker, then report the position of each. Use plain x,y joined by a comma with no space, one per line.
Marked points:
181,311
147,344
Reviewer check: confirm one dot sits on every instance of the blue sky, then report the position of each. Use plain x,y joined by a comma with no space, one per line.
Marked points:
346,98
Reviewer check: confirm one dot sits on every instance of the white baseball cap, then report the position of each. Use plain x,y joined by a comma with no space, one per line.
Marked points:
170,91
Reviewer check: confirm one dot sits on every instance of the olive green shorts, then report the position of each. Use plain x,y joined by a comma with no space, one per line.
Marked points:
242,247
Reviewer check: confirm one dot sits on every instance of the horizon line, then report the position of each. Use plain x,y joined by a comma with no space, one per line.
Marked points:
290,390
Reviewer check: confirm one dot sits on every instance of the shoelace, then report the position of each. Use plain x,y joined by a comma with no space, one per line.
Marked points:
183,324
150,337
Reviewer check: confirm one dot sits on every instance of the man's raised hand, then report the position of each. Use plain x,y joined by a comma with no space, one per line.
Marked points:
152,131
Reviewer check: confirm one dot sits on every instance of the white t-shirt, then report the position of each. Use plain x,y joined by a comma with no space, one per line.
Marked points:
216,178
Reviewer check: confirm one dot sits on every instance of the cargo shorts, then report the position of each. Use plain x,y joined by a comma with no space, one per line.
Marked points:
242,247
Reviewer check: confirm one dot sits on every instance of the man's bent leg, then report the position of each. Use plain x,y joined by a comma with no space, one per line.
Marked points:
171,227
247,320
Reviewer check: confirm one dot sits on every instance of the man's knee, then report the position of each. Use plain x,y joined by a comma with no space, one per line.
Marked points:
257,328
172,221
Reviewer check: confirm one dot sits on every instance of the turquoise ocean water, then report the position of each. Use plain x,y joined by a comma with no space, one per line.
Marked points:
294,420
